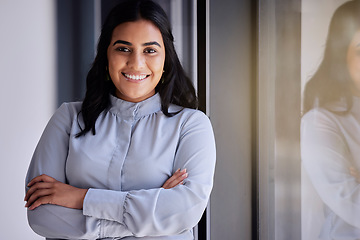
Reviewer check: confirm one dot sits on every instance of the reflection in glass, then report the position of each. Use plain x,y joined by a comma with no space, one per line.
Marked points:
330,133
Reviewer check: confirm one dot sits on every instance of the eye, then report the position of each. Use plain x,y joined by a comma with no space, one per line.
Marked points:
150,50
122,49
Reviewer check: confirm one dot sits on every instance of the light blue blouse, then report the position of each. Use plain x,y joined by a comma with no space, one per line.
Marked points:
135,150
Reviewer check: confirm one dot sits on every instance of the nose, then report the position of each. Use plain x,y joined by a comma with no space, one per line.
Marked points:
136,61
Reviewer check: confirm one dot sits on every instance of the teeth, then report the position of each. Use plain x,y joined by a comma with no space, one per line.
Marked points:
135,77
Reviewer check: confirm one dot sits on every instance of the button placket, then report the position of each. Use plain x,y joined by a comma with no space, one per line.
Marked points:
120,153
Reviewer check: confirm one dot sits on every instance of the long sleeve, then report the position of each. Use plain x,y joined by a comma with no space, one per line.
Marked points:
327,160
158,211
135,150
49,158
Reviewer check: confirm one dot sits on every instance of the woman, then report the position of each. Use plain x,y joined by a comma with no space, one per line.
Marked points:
330,130
109,167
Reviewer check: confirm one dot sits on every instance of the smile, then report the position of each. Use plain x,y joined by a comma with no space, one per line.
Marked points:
135,77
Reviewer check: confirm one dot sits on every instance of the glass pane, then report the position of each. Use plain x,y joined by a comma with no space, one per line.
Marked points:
278,97
330,127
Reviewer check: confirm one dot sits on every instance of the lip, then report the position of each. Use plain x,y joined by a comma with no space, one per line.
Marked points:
135,80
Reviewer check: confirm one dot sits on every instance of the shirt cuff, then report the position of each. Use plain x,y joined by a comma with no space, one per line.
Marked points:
104,204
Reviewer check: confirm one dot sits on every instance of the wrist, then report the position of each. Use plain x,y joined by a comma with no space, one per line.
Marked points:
82,197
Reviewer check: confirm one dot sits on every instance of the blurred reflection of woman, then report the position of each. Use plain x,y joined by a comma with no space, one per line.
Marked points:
330,130
134,160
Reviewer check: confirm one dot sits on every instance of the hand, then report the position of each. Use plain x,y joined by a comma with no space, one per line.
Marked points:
176,179
47,190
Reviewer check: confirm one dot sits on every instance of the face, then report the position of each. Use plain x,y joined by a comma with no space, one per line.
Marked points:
353,63
136,57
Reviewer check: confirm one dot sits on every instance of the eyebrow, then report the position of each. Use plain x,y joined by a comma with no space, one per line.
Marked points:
130,44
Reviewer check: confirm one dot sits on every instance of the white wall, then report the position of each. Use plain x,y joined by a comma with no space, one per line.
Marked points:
27,100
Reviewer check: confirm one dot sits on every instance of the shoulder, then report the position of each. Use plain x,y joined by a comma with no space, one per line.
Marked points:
192,120
194,115
189,114
320,117
321,126
65,114
69,109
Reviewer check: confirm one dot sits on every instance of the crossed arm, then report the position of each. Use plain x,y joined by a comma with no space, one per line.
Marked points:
44,189
168,210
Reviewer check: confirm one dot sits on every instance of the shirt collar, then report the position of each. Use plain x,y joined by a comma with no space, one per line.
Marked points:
135,110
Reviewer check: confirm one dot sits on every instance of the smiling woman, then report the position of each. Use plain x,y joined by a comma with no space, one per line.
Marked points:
135,159
136,58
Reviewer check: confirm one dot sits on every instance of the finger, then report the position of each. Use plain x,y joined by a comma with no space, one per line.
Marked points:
177,181
37,195
35,180
176,175
40,201
174,179
35,187
173,184
41,178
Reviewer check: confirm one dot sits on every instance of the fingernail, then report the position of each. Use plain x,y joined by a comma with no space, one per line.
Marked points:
185,175
184,170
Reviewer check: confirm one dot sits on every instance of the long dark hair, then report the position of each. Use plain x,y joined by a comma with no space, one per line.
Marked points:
332,82
176,88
